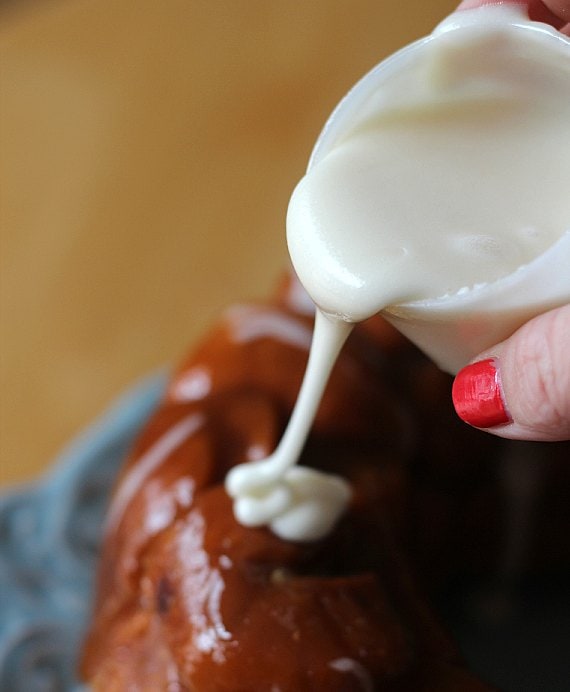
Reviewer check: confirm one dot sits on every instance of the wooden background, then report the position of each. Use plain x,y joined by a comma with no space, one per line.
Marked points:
148,151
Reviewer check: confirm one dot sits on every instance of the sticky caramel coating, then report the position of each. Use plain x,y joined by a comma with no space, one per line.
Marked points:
188,599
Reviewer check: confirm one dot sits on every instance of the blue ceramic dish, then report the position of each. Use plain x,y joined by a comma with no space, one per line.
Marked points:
49,538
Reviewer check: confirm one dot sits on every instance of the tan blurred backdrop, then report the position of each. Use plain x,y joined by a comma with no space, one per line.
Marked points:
148,153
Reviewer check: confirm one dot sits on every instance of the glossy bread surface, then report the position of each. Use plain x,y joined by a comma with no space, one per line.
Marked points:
190,600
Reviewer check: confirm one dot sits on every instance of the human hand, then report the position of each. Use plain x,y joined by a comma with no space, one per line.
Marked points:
553,12
520,389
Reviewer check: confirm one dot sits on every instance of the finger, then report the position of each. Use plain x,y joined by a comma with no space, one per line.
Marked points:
553,12
550,12
470,4
521,388
561,8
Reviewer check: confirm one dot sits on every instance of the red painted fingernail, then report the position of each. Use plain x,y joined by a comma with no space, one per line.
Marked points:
478,397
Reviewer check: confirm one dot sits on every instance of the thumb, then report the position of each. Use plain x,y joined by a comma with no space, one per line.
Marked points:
520,389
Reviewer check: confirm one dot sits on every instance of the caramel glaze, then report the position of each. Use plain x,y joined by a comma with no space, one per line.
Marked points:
190,600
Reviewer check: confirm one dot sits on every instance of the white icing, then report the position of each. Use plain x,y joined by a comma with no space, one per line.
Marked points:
353,667
248,324
193,385
454,172
298,503
442,173
149,461
203,592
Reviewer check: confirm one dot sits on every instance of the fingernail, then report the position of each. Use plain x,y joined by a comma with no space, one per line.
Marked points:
478,396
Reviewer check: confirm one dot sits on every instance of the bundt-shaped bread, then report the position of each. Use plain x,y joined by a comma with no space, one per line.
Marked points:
188,599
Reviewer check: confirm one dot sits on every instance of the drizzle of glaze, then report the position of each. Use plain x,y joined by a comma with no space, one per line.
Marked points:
410,204
298,503
155,456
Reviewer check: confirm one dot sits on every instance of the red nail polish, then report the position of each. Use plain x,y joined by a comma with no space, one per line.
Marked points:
477,395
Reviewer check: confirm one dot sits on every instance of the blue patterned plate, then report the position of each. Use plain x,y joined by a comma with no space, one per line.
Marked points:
49,537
